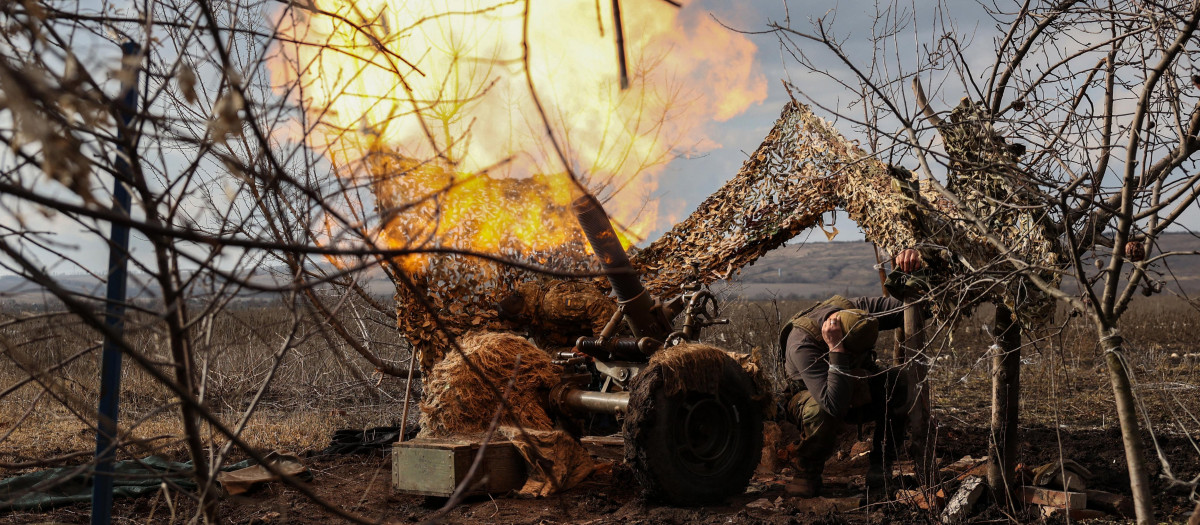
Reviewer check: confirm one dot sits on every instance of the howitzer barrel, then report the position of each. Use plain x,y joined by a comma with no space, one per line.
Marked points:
587,401
637,304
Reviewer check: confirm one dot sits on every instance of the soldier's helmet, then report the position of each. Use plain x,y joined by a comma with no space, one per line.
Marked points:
861,330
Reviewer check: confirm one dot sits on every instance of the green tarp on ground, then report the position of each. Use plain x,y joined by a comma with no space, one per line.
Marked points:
47,489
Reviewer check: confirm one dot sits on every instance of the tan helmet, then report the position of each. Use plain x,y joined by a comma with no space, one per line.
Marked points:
861,330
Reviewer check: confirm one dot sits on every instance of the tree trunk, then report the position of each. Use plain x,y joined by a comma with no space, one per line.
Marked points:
919,448
1139,480
1006,391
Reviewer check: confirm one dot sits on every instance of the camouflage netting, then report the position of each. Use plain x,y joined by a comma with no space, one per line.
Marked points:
696,367
657,397
459,404
555,460
805,168
555,310
764,391
463,292
459,401
985,176
802,170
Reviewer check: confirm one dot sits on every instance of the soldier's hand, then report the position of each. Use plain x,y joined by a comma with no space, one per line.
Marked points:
908,260
833,334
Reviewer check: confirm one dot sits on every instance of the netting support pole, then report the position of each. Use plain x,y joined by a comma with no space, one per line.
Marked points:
916,370
114,313
1006,398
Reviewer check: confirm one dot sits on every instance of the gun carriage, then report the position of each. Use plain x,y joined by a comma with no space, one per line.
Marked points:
691,417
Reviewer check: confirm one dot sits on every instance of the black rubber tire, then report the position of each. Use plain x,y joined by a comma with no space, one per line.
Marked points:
698,446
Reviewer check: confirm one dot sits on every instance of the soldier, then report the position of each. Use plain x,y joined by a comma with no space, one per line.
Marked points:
833,379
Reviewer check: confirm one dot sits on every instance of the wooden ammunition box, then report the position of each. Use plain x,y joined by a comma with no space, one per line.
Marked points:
434,467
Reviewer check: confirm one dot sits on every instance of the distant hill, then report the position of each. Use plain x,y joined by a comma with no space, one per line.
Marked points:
17,291
820,269
810,270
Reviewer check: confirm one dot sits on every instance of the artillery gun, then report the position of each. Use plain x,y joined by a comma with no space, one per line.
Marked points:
693,430
691,419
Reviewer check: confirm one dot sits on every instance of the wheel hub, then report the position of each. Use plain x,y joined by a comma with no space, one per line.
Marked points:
707,434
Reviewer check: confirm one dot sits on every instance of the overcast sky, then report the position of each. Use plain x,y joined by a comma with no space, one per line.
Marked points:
693,179
684,183
687,181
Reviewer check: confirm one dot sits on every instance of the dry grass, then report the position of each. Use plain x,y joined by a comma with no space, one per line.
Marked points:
1064,377
316,388
319,388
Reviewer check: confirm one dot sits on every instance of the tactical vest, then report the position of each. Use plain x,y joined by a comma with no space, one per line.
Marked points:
808,324
813,328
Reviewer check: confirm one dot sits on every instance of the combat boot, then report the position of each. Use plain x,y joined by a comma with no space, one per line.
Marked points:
879,479
877,476
805,484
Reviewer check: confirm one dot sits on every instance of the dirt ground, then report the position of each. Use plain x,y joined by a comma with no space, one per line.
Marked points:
361,485
1066,411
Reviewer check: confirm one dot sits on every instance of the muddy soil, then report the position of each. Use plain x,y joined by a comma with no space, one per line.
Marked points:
361,485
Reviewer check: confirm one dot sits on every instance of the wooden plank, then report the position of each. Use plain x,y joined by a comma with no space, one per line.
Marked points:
921,499
1006,405
961,468
505,468
1053,498
980,470
904,468
920,417
1073,514
822,506
844,481
430,467
606,441
1118,504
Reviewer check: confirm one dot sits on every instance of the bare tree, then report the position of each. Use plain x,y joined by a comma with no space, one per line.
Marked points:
223,209
1088,114
251,178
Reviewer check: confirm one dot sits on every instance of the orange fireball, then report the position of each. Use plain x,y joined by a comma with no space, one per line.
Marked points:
439,90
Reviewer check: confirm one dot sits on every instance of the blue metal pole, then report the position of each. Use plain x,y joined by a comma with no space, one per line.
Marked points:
114,313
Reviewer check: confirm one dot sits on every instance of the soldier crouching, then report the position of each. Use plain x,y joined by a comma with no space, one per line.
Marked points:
834,379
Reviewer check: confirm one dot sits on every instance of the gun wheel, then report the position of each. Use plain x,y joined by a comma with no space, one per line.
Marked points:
693,431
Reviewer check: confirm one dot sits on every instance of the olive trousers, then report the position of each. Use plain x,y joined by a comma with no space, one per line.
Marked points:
821,431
